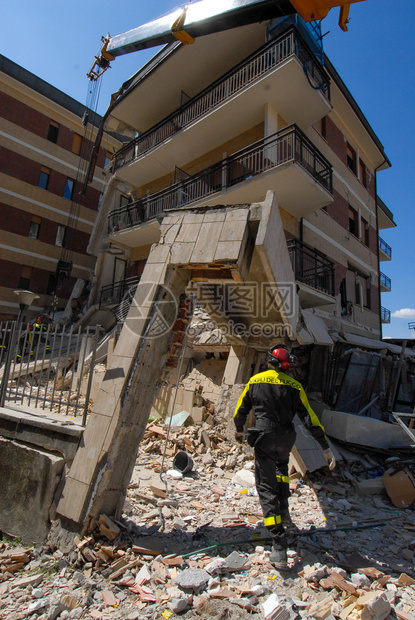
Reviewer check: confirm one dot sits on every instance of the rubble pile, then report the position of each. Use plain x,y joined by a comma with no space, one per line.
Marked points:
193,544
49,397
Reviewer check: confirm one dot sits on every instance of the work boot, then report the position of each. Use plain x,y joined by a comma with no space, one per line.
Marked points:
286,518
287,522
278,555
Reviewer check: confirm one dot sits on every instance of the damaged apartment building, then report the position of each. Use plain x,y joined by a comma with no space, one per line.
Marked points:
243,202
219,124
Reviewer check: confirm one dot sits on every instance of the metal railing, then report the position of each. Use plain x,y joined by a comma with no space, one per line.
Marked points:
234,81
385,281
310,267
385,315
49,368
112,294
287,145
386,249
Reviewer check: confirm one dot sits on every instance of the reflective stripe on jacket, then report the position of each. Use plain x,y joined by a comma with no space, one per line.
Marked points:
275,398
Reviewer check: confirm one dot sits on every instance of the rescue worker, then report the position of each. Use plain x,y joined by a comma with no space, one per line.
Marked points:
38,332
275,398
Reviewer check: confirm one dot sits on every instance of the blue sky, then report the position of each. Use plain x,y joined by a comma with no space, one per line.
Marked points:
58,40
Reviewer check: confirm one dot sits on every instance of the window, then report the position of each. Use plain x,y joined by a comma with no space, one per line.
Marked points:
351,159
363,173
60,236
44,177
76,144
53,132
24,280
34,227
69,185
321,127
365,232
353,222
362,292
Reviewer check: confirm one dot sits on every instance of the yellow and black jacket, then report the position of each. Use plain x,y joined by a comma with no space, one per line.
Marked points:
275,398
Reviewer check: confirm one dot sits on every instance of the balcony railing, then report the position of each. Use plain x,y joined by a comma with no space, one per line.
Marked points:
311,268
385,315
386,249
112,294
385,281
287,145
242,75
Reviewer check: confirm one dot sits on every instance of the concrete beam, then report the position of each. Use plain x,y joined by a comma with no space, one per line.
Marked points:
271,245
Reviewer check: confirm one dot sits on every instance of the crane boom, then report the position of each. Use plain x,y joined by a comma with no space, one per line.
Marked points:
198,19
201,18
209,16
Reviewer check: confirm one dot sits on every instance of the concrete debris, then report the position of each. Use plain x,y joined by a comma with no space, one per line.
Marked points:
195,579
245,478
196,547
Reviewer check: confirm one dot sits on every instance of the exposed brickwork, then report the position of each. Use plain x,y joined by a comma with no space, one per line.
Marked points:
10,274
335,139
24,116
18,221
28,171
14,220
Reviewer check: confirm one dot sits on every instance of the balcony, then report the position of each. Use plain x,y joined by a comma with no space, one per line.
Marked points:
385,283
286,161
385,215
284,73
385,315
113,294
313,273
385,251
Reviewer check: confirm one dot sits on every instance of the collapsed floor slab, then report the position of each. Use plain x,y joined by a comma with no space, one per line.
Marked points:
203,245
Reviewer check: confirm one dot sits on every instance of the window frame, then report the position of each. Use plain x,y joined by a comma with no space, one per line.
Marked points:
69,196
355,220
53,132
34,229
351,158
363,173
60,236
24,278
77,140
44,174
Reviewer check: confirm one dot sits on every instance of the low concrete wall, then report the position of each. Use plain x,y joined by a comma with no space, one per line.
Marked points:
28,480
34,450
37,430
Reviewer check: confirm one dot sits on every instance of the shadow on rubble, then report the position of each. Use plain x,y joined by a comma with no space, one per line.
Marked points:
338,544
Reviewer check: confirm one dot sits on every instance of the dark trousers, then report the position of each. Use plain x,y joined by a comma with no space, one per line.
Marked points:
272,451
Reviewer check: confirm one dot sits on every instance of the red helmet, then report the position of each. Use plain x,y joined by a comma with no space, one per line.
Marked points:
279,356
39,319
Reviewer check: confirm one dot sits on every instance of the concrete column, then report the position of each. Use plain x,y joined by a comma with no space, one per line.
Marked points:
103,465
271,124
233,365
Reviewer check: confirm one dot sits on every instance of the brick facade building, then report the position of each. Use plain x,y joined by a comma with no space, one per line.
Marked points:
44,150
